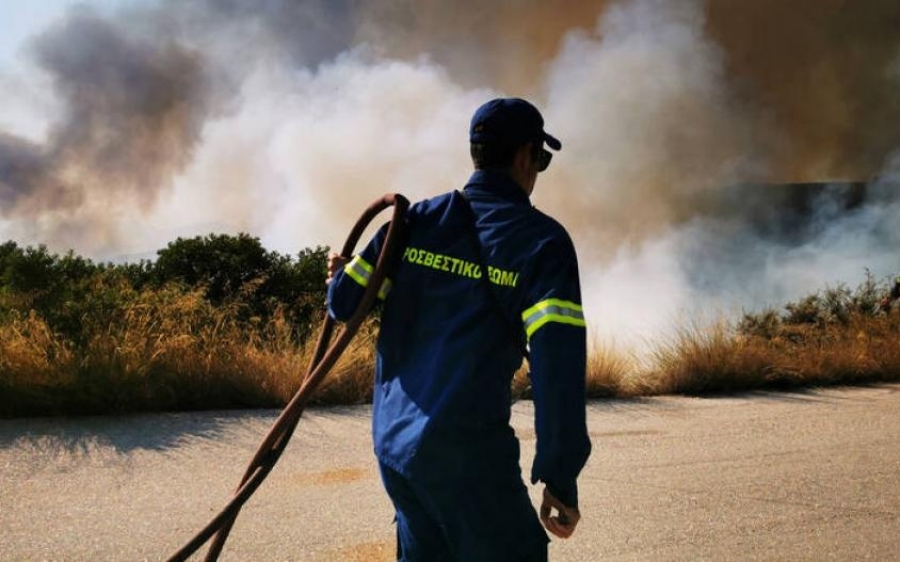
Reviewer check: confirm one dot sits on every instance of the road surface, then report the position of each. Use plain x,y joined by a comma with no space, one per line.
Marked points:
812,475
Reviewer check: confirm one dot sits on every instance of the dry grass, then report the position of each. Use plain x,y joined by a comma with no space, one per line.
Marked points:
863,350
718,359
352,378
611,372
34,363
168,349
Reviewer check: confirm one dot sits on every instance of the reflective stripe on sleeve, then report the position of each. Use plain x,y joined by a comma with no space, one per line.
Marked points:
361,271
552,310
385,289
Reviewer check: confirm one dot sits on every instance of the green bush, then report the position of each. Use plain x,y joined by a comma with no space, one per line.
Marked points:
831,307
238,268
67,291
214,321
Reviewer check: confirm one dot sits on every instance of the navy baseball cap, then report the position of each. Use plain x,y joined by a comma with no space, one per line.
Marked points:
509,122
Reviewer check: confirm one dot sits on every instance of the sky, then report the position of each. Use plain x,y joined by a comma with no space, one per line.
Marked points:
22,20
19,21
126,124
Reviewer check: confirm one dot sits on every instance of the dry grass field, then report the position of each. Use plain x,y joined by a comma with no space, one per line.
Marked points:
173,350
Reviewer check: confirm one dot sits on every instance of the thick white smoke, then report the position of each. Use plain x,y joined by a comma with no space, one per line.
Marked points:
299,136
650,120
650,128
654,136
307,151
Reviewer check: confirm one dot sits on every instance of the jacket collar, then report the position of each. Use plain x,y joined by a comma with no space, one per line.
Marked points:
496,184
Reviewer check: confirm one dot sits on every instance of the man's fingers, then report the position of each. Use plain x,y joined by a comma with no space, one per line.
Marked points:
555,526
563,524
545,513
335,262
558,529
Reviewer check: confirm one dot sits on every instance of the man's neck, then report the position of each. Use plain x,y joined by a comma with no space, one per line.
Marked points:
518,178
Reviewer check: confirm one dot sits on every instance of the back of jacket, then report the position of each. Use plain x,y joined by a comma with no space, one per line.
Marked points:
452,331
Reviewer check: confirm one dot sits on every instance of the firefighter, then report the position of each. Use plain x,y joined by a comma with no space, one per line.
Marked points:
484,279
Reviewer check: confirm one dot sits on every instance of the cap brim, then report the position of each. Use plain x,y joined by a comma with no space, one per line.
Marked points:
552,141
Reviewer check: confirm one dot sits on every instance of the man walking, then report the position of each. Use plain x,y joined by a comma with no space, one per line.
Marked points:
484,279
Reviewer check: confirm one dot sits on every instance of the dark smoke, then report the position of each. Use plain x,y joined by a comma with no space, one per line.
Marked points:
817,68
133,106
290,115
821,68
136,95
23,169
502,44
300,33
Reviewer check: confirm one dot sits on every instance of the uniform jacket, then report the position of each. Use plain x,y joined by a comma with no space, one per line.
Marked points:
446,354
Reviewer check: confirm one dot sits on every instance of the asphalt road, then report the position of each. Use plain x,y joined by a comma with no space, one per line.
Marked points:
765,476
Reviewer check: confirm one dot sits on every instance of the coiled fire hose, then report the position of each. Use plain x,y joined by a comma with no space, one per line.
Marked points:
323,360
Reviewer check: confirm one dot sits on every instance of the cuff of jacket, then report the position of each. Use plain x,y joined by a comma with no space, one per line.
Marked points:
566,492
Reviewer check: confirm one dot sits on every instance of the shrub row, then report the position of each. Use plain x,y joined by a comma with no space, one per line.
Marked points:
69,291
219,322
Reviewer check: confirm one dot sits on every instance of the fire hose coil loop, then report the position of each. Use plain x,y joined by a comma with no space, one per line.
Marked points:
323,360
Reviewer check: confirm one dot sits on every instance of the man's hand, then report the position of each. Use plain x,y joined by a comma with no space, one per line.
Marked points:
563,524
336,262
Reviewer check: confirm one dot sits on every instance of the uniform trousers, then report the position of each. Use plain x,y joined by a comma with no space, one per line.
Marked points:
465,506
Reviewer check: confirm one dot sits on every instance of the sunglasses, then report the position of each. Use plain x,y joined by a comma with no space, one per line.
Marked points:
542,158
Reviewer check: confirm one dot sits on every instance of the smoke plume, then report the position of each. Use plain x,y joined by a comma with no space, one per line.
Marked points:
133,109
285,118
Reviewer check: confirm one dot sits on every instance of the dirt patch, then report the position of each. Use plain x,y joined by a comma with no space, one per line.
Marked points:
383,551
329,477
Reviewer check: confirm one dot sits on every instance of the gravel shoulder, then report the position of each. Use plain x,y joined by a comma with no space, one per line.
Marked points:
810,475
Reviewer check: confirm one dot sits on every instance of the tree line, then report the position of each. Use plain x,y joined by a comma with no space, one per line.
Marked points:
236,271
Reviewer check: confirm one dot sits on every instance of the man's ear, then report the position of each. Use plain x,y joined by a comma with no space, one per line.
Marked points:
522,156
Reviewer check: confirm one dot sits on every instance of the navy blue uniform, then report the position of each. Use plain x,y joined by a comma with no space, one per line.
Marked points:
445,360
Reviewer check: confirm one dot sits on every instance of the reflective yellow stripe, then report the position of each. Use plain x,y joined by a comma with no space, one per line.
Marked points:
361,271
552,310
385,289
